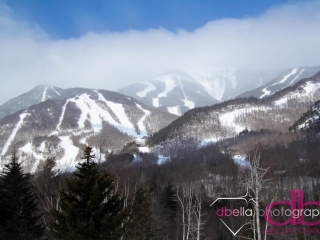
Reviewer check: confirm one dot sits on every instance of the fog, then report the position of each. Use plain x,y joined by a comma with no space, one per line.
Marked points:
283,36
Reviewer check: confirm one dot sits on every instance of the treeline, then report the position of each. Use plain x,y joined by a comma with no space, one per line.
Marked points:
130,196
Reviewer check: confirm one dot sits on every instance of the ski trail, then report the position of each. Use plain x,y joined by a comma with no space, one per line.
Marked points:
169,86
62,115
55,91
60,118
118,110
143,131
187,102
149,88
14,132
44,94
296,77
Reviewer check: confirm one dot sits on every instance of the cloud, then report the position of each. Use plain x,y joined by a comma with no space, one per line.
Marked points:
284,36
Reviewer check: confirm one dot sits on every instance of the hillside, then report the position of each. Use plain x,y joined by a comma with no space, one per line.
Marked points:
283,79
229,118
61,127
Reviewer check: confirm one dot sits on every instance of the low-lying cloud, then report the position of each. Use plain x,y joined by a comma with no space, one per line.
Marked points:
283,36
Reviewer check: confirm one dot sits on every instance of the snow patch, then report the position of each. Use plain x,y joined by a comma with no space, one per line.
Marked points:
241,161
67,162
149,88
174,110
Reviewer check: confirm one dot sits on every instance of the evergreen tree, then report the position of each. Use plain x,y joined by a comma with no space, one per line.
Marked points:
140,227
170,208
18,204
90,207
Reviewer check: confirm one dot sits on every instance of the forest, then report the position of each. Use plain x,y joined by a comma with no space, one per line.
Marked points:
129,195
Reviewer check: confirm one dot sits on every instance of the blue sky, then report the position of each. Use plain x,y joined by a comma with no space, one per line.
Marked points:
110,44
71,18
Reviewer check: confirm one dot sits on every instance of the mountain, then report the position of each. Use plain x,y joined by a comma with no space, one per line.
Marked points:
35,96
61,127
284,79
227,83
309,120
178,91
173,92
241,115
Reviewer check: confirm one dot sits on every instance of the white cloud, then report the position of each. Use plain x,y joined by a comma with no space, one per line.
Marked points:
284,36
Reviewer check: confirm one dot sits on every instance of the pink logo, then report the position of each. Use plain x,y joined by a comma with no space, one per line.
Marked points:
298,210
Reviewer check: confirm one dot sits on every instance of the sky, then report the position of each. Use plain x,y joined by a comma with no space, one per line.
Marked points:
108,44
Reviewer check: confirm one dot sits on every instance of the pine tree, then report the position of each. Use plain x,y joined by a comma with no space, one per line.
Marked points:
18,204
170,208
90,207
140,227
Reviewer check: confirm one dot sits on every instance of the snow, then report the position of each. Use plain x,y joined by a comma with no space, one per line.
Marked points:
285,78
214,80
27,149
92,112
55,91
228,119
44,94
265,92
162,159
62,115
241,161
169,86
174,110
187,103
149,88
67,162
14,132
144,149
119,111
142,128
155,102
309,88
296,77
281,102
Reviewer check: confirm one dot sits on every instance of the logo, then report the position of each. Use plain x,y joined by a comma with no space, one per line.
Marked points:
242,211
278,214
296,213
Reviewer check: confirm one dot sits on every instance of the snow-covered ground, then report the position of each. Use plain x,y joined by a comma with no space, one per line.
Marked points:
241,161
174,110
44,93
14,132
149,88
187,102
309,89
67,162
169,86
142,128
284,79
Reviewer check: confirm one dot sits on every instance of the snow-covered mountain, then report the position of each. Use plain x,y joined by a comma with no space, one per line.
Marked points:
179,91
173,92
227,83
309,120
227,119
34,96
61,127
284,79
